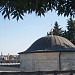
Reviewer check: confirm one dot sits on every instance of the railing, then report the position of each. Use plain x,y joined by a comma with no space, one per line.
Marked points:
17,65
71,72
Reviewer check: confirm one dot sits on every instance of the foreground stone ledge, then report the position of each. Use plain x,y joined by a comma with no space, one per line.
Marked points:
69,72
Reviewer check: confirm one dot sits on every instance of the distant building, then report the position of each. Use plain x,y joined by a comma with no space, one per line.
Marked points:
1,56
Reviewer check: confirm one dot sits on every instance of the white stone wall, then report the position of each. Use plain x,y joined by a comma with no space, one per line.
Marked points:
39,61
47,61
67,61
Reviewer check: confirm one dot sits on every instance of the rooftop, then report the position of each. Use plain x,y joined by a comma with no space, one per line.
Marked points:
51,43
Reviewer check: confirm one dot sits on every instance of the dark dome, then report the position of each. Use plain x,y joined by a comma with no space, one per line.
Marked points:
51,43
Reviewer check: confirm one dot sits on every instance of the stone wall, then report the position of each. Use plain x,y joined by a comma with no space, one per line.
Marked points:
40,61
47,61
67,61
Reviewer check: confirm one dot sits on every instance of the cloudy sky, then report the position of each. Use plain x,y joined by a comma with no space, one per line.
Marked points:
18,36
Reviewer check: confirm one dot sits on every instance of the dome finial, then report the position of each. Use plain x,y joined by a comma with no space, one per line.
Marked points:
51,31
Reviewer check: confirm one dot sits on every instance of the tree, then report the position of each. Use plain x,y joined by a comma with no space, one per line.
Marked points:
57,30
17,8
71,30
65,34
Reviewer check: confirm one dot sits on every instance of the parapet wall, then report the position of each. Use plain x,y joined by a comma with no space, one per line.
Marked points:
69,72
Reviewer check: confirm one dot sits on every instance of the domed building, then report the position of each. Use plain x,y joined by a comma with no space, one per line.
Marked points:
49,53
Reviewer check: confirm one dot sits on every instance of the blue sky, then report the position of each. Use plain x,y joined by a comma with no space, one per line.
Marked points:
18,36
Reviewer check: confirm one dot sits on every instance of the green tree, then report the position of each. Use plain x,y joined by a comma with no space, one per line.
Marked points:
65,34
71,30
17,8
57,30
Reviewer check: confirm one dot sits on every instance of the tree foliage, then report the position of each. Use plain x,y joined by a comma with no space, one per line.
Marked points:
69,33
71,30
57,30
17,8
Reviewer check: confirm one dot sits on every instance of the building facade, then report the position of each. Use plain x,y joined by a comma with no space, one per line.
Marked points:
49,53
